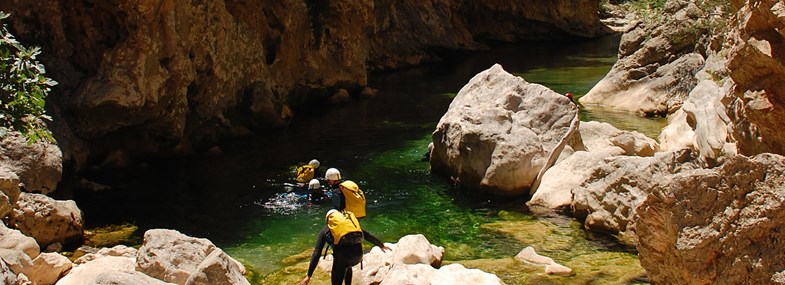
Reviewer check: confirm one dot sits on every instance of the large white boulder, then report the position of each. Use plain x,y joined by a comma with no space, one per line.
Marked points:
174,257
499,131
702,123
415,249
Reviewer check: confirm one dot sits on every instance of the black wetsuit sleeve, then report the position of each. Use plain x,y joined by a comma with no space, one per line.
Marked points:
317,250
375,241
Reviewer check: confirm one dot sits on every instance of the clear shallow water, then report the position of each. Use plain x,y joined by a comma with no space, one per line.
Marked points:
379,144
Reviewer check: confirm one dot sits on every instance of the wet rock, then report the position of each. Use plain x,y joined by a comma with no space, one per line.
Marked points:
499,131
341,97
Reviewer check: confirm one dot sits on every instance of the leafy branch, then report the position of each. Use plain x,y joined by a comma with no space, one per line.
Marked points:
23,88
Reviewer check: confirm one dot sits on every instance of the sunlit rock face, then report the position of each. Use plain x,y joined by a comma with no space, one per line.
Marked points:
757,101
716,226
169,76
657,62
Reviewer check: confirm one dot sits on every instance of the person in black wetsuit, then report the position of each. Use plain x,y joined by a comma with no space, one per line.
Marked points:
316,194
344,257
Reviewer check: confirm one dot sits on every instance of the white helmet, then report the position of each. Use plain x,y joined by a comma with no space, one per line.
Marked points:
314,184
330,212
332,174
314,163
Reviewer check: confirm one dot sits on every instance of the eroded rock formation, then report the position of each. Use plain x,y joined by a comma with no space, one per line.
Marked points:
756,104
716,226
602,142
657,61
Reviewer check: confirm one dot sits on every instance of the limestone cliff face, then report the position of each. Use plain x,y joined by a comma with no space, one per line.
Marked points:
658,59
165,76
716,226
756,103
720,80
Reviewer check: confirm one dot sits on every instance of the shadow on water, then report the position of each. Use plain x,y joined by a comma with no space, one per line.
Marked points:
378,143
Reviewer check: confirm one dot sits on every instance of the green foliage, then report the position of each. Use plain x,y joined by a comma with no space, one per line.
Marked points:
23,88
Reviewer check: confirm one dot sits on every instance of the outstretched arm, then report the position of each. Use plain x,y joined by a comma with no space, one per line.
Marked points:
375,241
317,251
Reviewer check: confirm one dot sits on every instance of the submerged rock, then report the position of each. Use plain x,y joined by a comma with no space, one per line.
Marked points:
551,267
499,131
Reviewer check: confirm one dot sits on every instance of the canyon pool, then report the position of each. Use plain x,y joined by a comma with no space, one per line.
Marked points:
233,198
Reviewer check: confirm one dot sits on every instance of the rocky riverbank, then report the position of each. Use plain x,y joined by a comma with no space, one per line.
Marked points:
696,202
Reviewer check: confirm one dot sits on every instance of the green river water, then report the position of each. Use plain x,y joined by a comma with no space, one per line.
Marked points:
378,143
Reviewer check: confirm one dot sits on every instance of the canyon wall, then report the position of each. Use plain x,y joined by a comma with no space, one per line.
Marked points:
166,77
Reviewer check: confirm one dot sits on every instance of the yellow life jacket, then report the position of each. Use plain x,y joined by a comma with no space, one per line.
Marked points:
353,197
305,173
344,228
